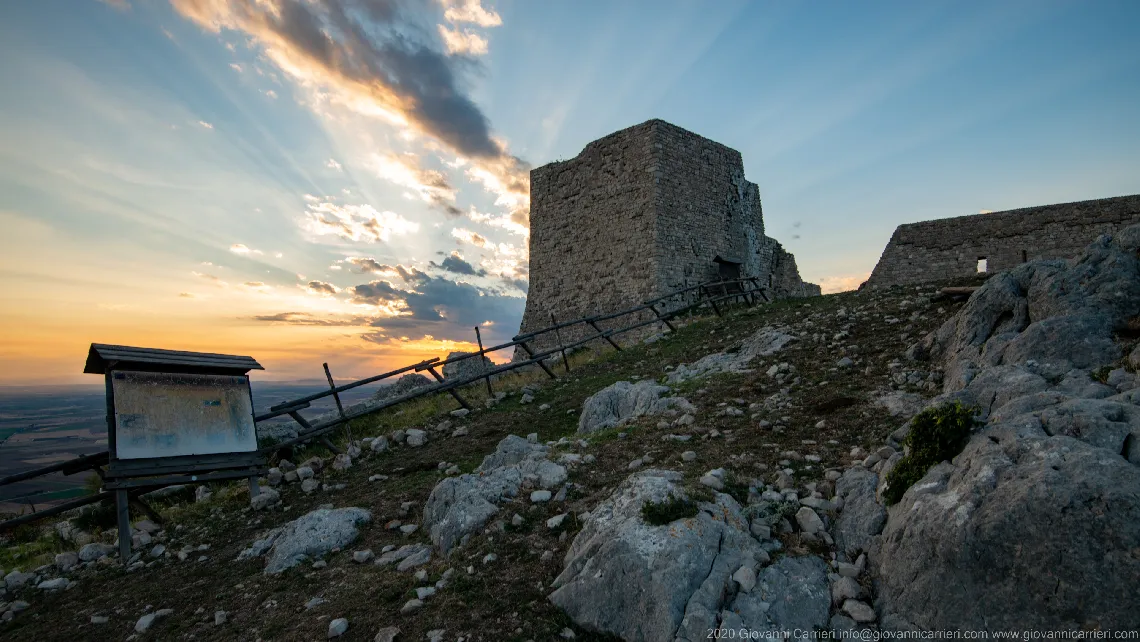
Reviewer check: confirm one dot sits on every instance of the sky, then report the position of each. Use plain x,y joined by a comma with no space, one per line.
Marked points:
347,181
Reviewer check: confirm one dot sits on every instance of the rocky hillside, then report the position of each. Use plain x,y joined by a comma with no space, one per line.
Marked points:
883,459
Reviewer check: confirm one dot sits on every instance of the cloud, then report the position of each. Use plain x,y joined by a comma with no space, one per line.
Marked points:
205,125
368,50
355,222
506,222
211,278
185,295
521,285
272,94
430,185
332,164
467,42
377,59
236,67
470,11
240,248
257,286
321,288
370,266
843,283
454,263
304,318
467,236
437,306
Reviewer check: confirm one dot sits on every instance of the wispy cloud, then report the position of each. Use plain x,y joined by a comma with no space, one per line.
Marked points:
842,283
429,185
375,59
321,288
456,264
332,164
211,278
467,236
470,11
355,222
305,318
204,125
457,41
241,248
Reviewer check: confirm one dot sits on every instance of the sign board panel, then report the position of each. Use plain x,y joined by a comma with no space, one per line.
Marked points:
170,415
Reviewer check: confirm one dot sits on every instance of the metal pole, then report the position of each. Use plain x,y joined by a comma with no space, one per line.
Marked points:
479,339
558,335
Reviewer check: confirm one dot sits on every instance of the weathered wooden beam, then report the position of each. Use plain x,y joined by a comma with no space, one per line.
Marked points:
452,391
530,353
613,343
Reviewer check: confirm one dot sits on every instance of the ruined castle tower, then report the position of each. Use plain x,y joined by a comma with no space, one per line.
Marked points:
641,212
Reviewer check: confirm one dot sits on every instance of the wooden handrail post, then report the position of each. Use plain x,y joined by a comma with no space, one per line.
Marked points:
558,336
479,340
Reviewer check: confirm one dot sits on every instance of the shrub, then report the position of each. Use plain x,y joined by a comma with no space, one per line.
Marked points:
936,435
670,510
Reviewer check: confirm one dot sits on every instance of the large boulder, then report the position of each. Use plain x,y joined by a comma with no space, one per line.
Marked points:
402,386
1036,524
643,582
1059,313
763,343
466,368
276,432
1019,532
862,517
623,401
310,536
460,506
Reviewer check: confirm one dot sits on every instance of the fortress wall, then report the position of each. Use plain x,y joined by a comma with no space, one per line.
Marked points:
950,248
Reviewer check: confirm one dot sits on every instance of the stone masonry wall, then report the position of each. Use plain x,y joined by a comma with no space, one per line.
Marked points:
639,213
950,248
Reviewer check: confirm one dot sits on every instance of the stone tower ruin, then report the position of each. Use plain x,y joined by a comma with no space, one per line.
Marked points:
641,212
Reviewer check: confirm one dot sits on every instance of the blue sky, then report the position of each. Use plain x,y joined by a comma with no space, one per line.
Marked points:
204,174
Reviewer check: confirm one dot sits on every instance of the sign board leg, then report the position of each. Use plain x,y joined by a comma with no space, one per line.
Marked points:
122,508
254,489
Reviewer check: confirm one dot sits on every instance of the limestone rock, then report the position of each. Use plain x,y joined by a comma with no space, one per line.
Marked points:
1042,528
66,561
416,437
763,343
312,535
1055,312
94,551
617,404
640,582
148,620
459,506
387,634
467,368
862,517
809,521
266,497
337,628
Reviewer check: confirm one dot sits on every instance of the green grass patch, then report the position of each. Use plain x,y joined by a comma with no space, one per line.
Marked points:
668,511
936,435
1100,375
